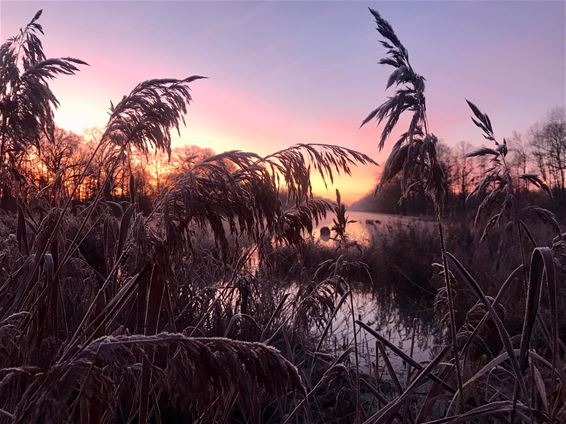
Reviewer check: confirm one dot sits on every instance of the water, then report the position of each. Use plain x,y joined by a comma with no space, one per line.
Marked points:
415,332
366,226
416,336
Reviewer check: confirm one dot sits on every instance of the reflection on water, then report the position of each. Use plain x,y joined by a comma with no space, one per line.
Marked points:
366,226
405,319
408,323
413,331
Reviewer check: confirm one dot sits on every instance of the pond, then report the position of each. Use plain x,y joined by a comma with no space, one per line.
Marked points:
367,225
413,329
407,319
415,332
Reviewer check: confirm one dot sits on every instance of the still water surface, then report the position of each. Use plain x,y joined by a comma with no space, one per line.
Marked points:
367,225
414,331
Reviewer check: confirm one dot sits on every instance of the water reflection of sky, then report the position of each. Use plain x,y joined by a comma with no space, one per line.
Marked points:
415,335
407,320
412,329
367,225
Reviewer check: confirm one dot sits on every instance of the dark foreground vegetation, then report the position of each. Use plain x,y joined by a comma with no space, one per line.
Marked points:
204,300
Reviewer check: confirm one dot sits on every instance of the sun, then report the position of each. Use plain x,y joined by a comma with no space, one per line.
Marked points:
79,118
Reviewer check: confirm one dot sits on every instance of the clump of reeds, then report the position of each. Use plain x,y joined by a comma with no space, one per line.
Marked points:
110,315
96,320
516,382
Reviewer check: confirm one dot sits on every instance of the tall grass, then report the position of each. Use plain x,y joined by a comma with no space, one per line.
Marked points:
216,306
414,156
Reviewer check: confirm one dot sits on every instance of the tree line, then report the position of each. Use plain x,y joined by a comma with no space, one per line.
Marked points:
50,169
541,150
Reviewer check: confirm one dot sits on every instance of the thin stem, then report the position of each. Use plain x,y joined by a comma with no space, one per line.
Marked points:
356,355
451,308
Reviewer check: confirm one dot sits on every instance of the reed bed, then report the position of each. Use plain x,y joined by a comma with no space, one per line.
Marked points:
215,306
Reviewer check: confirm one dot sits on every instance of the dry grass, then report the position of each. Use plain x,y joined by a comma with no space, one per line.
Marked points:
185,315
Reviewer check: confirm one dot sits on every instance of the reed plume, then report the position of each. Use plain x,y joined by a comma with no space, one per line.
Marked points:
26,100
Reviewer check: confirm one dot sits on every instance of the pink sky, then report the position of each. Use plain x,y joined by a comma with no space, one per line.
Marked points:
282,73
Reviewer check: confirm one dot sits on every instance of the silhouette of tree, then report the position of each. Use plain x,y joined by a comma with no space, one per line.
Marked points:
548,144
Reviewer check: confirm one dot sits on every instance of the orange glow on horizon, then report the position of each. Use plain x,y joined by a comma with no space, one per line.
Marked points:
255,126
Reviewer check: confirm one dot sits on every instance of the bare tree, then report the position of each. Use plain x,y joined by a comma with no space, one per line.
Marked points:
548,146
464,168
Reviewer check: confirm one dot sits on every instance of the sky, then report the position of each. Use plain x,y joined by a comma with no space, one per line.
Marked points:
281,73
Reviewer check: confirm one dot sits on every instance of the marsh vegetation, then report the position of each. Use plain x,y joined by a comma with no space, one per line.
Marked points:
142,283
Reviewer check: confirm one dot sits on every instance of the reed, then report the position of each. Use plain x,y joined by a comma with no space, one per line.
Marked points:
216,305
